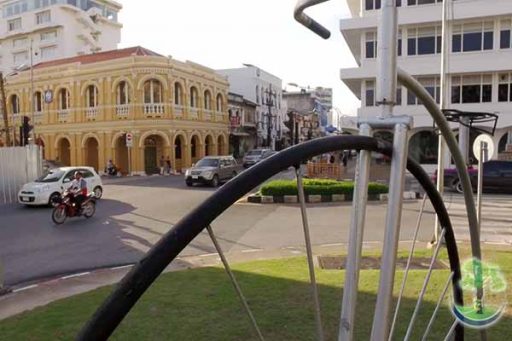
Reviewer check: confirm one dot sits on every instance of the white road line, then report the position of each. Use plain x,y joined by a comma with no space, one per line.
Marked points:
25,288
251,250
333,244
76,275
208,255
122,267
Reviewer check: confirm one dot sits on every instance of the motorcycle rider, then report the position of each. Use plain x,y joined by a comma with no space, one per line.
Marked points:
79,190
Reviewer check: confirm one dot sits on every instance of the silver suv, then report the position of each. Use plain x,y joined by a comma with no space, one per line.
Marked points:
256,155
212,170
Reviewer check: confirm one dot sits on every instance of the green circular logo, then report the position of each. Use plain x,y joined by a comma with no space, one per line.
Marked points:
487,310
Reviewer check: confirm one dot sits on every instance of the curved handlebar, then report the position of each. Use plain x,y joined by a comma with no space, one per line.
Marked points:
307,21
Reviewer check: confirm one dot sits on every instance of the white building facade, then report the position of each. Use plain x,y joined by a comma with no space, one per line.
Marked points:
265,90
55,29
479,62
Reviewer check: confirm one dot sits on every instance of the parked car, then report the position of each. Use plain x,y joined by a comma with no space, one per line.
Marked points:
212,170
54,181
497,177
256,155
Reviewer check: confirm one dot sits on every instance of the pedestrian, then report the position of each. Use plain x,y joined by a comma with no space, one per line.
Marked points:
168,165
344,159
162,165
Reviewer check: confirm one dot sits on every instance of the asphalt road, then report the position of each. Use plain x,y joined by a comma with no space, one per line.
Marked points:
135,212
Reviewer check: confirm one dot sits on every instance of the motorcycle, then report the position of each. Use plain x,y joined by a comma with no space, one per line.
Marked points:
64,207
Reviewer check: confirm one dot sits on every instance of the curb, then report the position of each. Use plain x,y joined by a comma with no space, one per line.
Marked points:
293,199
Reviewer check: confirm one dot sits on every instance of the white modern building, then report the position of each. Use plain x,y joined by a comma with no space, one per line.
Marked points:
479,62
265,90
55,29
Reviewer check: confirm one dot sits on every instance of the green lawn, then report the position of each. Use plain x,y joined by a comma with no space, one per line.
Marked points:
200,304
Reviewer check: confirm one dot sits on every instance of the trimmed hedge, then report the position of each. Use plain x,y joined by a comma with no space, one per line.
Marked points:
317,187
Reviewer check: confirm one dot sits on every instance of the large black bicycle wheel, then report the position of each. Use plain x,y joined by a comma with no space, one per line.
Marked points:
137,281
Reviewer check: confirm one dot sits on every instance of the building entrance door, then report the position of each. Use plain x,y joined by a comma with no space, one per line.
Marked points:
150,160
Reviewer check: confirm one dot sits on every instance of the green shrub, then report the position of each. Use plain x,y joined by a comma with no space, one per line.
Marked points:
318,187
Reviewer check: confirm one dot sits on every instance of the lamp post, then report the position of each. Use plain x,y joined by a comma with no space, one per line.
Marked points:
269,102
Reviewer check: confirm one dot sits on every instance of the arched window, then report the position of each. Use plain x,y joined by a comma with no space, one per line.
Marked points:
38,101
193,97
178,94
257,95
63,99
123,93
15,104
219,103
207,100
91,96
153,91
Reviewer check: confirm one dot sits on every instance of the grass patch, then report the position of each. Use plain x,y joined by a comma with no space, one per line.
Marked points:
317,187
200,304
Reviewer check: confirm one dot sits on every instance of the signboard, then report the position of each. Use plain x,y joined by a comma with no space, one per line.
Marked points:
48,96
490,146
129,140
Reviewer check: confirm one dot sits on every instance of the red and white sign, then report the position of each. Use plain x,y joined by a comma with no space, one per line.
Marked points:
129,140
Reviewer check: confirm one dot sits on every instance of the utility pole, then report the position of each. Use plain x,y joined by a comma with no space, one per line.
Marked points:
32,107
269,103
3,101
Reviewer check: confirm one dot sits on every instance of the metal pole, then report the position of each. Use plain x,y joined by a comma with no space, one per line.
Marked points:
129,161
464,137
481,159
32,92
442,143
309,252
358,214
381,320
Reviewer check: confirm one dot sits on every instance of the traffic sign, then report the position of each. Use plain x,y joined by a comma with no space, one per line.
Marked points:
490,146
129,140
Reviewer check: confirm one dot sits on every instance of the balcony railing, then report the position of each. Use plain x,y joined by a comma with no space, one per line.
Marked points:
122,110
208,115
154,109
193,114
178,110
63,115
219,116
38,117
91,113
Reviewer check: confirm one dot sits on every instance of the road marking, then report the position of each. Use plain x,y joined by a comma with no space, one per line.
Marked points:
208,255
496,243
333,244
251,250
122,267
76,275
25,288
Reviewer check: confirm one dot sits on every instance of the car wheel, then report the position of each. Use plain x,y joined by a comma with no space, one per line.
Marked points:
98,192
215,181
189,183
457,186
53,196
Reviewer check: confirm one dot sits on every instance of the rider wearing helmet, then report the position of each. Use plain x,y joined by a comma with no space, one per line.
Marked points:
79,189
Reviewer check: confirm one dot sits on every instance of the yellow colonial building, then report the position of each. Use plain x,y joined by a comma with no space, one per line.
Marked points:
84,106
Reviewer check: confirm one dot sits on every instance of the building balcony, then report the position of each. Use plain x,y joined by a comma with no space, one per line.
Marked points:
63,115
154,109
122,111
38,117
208,115
220,117
193,114
91,114
179,111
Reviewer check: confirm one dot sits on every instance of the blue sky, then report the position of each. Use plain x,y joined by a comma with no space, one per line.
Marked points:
226,33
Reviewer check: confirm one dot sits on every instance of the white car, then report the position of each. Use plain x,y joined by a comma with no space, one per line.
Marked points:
54,182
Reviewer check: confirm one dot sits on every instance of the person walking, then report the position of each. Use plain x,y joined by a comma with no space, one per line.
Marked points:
168,165
162,165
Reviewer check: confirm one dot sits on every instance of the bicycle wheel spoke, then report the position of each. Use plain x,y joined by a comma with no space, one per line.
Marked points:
425,284
441,298
234,282
309,252
407,267
452,328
